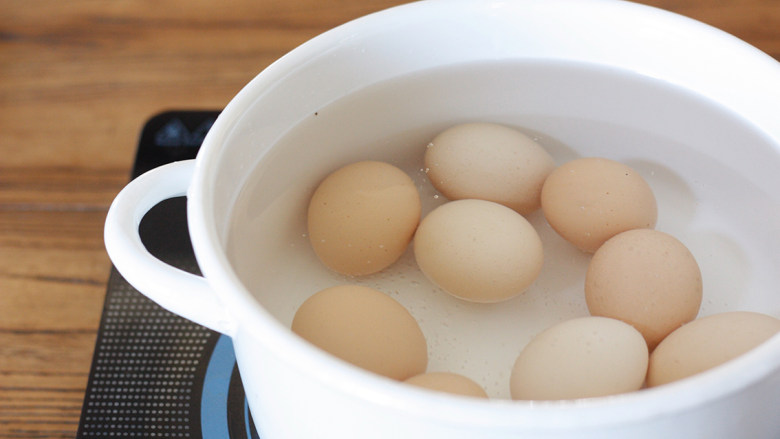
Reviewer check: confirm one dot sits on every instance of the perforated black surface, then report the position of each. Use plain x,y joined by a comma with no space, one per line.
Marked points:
147,372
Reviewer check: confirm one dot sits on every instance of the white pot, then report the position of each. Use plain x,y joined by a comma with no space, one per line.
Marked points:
695,110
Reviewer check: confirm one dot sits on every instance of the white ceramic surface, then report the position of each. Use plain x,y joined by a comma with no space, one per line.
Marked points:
691,108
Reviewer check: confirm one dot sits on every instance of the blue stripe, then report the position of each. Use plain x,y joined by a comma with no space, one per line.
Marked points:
213,404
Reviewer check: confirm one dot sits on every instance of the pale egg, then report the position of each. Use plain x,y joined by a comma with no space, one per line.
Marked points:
491,162
580,358
364,327
708,342
478,250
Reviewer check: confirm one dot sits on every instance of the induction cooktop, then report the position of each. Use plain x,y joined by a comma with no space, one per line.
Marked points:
155,374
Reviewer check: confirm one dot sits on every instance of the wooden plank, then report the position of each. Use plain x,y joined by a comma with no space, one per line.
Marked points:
42,381
58,304
39,187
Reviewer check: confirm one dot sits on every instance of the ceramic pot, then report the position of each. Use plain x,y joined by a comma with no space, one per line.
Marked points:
691,108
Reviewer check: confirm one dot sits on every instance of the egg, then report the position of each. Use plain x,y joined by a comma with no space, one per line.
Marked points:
478,250
448,382
362,217
491,162
580,358
589,200
366,328
708,342
646,278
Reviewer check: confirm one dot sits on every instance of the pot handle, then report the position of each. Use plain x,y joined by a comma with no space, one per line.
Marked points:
183,293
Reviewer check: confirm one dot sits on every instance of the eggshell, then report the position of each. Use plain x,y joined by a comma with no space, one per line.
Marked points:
478,250
580,358
708,342
362,217
646,278
366,328
589,200
448,382
490,162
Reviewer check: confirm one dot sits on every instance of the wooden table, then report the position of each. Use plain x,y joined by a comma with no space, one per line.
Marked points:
77,80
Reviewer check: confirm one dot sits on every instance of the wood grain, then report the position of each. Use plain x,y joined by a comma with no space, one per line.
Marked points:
78,79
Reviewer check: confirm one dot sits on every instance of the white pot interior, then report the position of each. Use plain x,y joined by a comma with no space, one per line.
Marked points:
574,111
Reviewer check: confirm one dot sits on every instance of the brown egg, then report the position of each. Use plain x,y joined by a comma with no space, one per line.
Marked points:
362,217
589,200
366,328
646,278
478,250
491,162
580,358
708,342
448,382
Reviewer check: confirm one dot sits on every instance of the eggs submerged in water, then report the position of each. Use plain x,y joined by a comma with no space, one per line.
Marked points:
643,287
589,200
707,343
478,250
488,161
364,327
646,278
581,358
448,382
362,217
